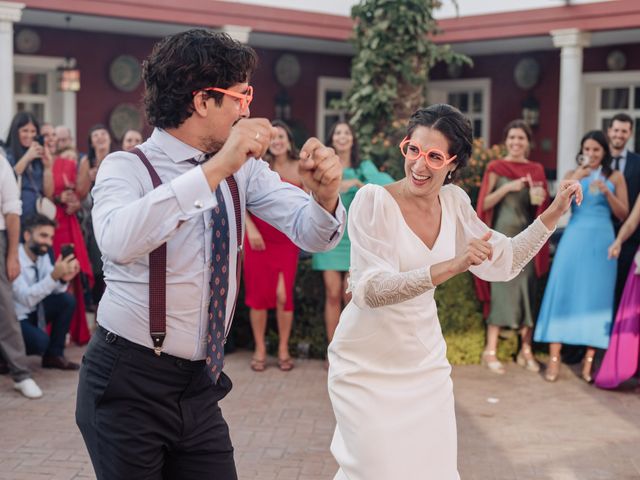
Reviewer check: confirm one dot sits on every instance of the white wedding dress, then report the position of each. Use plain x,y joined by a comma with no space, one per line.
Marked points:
389,378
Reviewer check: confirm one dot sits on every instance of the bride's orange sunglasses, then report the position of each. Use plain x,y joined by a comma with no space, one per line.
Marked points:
435,158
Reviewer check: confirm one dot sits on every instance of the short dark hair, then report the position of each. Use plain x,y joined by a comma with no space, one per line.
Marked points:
520,124
13,145
622,117
38,220
601,138
450,122
355,149
189,61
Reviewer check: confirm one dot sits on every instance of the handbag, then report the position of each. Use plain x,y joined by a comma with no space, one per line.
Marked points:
44,206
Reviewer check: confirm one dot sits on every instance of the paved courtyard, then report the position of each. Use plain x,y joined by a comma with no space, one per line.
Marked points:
516,427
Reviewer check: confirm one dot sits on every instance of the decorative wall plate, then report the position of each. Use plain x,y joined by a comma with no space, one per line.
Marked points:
27,41
125,73
287,70
527,73
616,60
124,117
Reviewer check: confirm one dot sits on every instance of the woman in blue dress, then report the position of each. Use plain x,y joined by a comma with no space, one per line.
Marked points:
577,307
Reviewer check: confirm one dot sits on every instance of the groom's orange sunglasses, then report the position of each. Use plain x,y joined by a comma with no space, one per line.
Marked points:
245,98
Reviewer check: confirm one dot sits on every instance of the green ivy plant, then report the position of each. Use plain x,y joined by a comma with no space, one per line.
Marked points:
395,51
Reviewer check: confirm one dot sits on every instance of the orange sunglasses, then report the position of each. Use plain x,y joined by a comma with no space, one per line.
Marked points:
435,158
245,98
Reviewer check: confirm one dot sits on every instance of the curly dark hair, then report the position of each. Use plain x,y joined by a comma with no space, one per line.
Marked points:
450,122
189,61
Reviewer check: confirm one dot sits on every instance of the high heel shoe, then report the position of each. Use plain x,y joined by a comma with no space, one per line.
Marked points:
551,375
527,361
493,365
586,370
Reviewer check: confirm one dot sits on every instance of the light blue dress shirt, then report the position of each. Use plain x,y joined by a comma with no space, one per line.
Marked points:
131,219
34,283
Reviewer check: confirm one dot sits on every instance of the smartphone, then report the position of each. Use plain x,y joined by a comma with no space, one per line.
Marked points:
584,160
67,249
40,139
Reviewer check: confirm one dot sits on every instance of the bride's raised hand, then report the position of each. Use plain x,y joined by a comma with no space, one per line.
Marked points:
478,250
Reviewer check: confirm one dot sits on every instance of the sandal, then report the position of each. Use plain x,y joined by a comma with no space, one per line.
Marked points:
586,369
527,361
553,369
285,364
258,365
494,366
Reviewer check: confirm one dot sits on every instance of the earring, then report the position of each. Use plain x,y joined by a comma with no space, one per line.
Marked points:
449,176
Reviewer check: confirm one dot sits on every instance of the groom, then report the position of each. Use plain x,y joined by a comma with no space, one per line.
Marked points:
167,219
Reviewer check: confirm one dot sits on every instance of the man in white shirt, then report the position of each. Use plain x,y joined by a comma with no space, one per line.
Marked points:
12,352
39,294
147,401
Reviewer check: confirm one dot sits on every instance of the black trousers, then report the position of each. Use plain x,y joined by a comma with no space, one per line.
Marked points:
146,417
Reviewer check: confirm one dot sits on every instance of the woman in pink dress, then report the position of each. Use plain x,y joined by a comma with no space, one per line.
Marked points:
621,359
271,261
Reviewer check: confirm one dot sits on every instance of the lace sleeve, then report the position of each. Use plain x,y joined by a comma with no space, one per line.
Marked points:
527,244
390,288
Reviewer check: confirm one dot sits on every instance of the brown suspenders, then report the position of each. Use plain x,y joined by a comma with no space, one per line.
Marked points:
158,265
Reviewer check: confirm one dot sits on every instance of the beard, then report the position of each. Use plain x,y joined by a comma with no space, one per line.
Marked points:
618,144
211,146
38,249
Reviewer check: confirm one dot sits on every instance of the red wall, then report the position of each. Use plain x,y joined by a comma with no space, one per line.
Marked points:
304,93
94,52
507,97
98,97
595,59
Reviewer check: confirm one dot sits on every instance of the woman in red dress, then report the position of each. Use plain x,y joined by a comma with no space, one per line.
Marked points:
271,261
68,192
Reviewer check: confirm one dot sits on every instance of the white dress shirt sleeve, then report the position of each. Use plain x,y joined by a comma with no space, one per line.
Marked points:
129,221
30,295
291,210
9,195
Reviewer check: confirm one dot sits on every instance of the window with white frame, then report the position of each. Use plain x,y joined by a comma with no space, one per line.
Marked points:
609,93
35,90
330,89
470,96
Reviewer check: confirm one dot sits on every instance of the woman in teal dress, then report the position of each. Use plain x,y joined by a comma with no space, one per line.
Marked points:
335,263
577,307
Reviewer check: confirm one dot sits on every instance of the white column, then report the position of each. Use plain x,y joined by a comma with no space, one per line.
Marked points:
570,122
10,13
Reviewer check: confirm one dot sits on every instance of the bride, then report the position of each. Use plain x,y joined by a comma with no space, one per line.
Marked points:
389,378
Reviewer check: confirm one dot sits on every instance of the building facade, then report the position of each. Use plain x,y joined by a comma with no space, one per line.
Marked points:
566,69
